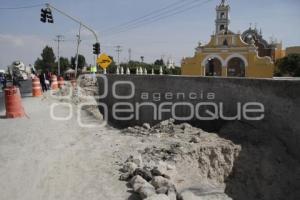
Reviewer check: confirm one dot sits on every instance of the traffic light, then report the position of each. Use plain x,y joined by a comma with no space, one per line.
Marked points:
46,15
43,15
49,16
96,48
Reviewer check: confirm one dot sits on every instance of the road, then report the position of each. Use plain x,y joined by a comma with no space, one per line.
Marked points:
43,158
26,89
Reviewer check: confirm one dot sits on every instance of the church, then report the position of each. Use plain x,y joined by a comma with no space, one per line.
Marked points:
230,54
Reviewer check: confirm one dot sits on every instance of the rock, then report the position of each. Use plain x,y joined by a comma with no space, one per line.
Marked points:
164,123
125,176
146,126
137,159
185,126
143,173
172,194
137,182
146,191
162,190
159,181
189,195
156,172
195,139
129,167
158,197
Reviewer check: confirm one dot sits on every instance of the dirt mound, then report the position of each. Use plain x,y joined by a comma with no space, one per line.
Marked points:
201,159
240,160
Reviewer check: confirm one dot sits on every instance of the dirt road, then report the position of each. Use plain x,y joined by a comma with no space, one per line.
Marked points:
45,159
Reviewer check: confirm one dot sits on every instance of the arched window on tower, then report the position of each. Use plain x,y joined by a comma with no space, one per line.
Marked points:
222,15
222,27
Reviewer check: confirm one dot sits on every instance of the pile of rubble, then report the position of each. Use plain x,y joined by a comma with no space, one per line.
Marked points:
84,92
182,162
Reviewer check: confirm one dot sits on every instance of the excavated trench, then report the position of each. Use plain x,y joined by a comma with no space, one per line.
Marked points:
243,162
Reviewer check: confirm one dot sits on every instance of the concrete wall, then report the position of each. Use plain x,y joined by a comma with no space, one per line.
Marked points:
281,100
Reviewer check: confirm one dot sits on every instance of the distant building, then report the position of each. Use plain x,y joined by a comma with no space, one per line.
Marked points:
233,54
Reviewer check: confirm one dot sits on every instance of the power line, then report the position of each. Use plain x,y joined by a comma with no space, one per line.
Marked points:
160,17
144,16
167,9
21,7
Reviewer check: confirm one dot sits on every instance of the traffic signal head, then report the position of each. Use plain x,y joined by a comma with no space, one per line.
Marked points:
43,15
96,48
49,15
46,15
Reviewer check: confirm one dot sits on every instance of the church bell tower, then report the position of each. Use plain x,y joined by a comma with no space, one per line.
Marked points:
222,20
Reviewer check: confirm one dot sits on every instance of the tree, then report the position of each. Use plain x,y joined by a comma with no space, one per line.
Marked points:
81,61
64,64
47,63
288,66
159,62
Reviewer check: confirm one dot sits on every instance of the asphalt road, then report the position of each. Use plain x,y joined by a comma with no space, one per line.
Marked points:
26,89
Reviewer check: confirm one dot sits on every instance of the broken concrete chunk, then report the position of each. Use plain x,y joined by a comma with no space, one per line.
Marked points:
125,176
159,181
137,182
143,173
129,167
146,191
146,126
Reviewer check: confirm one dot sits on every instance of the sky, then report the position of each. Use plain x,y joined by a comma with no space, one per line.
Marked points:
23,36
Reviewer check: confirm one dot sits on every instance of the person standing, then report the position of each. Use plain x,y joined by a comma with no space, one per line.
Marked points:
16,82
43,82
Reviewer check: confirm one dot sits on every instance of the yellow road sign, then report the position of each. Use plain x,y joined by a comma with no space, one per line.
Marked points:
104,61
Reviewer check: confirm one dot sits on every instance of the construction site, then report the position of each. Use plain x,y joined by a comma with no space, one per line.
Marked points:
64,148
117,105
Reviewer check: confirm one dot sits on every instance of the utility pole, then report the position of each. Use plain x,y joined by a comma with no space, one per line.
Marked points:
118,50
129,54
74,19
58,40
77,50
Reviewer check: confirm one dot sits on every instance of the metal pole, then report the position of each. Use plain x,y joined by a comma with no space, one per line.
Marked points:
74,19
78,42
58,59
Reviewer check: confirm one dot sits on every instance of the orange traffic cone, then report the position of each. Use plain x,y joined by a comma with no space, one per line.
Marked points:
61,82
54,84
13,103
36,87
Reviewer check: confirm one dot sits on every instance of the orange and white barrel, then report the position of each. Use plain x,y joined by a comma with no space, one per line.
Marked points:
54,83
36,87
13,103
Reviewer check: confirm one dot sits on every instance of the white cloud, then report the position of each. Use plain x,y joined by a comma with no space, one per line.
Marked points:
19,47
